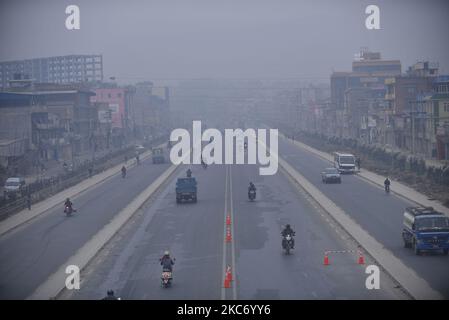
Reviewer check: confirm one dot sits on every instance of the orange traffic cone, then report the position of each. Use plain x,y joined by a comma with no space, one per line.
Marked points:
326,259
228,220
228,235
227,283
361,258
229,274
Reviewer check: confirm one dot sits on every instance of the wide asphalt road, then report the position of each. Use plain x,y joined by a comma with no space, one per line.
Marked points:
195,236
376,212
31,253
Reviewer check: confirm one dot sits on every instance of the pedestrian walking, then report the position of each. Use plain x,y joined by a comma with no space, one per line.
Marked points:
29,200
358,162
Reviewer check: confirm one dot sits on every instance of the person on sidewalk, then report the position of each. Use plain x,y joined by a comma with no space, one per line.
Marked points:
357,161
387,185
29,200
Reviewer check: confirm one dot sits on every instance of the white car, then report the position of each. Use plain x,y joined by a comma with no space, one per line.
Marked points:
14,186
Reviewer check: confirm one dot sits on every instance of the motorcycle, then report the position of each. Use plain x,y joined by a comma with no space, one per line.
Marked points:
287,243
69,210
166,278
387,188
252,194
123,174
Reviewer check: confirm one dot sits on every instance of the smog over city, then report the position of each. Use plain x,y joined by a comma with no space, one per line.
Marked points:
198,151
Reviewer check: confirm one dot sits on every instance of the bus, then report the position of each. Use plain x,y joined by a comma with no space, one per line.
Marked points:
344,162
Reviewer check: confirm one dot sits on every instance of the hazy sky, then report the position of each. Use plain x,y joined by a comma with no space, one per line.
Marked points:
226,38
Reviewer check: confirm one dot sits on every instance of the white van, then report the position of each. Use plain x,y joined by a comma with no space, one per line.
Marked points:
344,162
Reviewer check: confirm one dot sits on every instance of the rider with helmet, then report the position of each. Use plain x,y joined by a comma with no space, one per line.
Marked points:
288,231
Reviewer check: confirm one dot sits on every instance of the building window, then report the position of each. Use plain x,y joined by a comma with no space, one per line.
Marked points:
109,95
119,95
446,107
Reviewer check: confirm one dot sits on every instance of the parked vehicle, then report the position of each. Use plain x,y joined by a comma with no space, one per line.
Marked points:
14,187
331,175
425,229
186,189
158,155
344,162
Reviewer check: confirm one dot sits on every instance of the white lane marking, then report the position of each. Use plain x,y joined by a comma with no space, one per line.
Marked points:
223,290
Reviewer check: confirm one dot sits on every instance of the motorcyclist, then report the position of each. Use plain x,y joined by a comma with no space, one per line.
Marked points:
251,187
288,231
68,204
167,262
189,173
110,296
123,171
387,184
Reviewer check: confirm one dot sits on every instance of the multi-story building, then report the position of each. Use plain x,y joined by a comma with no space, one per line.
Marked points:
436,110
356,114
61,69
404,97
150,110
54,122
368,71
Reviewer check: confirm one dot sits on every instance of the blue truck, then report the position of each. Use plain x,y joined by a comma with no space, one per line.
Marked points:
158,155
186,189
425,229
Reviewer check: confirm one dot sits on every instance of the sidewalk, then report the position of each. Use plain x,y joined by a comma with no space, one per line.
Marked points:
55,167
398,188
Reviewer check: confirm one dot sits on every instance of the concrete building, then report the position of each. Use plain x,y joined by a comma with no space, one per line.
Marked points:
53,122
60,69
404,97
150,111
368,71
